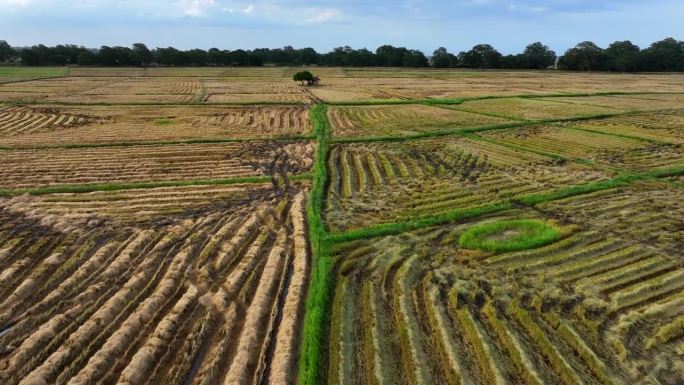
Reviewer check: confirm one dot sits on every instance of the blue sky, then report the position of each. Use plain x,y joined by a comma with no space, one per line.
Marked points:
509,25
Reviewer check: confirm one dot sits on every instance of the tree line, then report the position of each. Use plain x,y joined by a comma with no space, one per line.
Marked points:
620,56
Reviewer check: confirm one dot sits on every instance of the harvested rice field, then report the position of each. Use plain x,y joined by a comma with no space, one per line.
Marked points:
45,125
226,225
80,166
402,119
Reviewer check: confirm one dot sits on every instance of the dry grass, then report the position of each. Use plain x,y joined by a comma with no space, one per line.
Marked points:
68,125
402,120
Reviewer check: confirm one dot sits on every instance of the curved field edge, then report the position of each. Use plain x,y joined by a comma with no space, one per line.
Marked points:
534,233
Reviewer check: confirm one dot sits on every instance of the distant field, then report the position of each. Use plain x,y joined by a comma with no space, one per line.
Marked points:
13,74
226,225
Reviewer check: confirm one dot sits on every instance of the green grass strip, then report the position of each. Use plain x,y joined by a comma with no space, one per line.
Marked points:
534,199
202,94
313,357
87,188
428,221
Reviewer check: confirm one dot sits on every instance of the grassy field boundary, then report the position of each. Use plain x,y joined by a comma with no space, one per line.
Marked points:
96,187
312,359
202,92
423,222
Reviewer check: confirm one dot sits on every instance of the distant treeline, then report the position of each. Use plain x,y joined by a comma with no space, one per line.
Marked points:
621,56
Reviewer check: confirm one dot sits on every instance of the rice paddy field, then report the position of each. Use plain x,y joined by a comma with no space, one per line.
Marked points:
390,226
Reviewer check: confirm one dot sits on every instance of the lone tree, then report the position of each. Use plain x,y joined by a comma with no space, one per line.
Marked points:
304,76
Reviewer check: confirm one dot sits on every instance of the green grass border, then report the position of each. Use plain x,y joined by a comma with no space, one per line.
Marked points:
395,228
313,357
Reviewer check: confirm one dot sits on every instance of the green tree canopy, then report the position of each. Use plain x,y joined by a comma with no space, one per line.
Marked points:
586,56
303,76
622,56
6,52
481,56
538,56
142,54
441,58
664,55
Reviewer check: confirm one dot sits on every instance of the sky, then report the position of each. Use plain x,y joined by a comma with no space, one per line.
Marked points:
509,25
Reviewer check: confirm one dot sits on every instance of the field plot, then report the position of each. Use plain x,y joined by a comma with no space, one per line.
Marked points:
628,102
62,125
586,309
30,120
54,167
401,119
650,213
254,91
210,298
665,126
393,84
107,71
137,90
42,89
375,183
656,156
186,71
565,141
136,205
532,109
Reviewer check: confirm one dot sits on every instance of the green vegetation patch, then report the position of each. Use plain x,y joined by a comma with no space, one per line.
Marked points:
16,73
509,235
163,122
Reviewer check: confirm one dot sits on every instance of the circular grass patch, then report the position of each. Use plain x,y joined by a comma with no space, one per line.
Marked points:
509,235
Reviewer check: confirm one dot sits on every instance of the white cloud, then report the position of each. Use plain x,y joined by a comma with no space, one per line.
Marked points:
322,16
527,8
195,8
15,3
249,9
